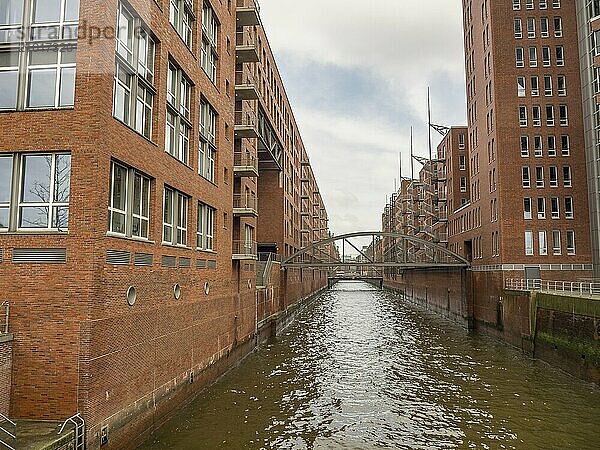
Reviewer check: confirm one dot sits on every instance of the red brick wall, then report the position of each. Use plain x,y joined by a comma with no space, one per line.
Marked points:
5,375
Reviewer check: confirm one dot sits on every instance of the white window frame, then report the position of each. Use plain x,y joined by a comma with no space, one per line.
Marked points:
205,231
527,208
529,243
556,242
177,222
543,243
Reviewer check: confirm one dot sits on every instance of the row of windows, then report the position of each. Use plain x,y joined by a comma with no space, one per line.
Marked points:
544,27
129,211
553,176
538,146
536,115
134,94
554,208
532,52
548,86
542,239
542,4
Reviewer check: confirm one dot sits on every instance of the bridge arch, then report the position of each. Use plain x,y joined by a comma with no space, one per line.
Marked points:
384,250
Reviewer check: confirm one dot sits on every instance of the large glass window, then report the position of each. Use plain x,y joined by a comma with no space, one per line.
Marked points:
210,33
208,141
6,170
206,227
129,207
175,217
133,97
529,243
47,31
181,16
44,191
178,127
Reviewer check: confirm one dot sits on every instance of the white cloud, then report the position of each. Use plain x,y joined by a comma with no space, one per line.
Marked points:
402,46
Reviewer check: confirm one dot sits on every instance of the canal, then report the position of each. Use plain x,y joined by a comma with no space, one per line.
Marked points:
361,369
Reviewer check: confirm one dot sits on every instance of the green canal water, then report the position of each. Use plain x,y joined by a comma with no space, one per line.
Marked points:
362,369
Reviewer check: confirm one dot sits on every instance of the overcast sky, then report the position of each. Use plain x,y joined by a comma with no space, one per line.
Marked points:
356,74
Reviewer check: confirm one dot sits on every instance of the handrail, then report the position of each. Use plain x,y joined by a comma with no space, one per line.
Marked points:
581,287
13,435
6,316
79,423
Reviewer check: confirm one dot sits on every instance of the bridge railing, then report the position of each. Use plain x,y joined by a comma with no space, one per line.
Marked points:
576,287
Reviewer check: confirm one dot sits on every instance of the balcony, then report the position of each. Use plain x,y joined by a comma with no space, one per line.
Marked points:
245,85
247,13
245,165
245,47
245,205
246,125
244,250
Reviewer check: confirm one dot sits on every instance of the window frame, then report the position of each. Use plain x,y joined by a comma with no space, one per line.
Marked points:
179,215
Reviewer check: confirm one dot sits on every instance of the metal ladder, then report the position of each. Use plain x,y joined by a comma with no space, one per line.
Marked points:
79,423
5,434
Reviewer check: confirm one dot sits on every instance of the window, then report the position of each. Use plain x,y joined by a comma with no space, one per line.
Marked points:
536,116
561,85
543,244
49,72
554,206
206,227
462,162
208,142
557,27
553,174
533,57
516,5
529,243
526,177
249,240
543,4
518,28
44,191
6,171
544,27
522,116
596,42
537,145
463,184
519,57
210,32
551,145
567,176
565,145
569,214
527,213
546,56
570,242
530,27
563,115
129,202
560,55
133,97
461,141
556,4
175,214
521,87
181,16
539,177
178,125
541,208
550,115
524,146
529,4
556,247
547,85
535,87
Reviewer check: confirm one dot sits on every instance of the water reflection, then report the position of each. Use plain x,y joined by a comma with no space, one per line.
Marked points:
361,369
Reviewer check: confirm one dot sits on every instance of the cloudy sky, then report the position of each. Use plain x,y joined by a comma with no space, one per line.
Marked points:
356,74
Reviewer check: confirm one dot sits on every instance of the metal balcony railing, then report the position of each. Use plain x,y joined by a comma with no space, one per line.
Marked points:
245,203
245,162
248,4
246,124
244,250
245,38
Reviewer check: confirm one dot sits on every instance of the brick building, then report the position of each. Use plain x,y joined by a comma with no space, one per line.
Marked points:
528,212
136,140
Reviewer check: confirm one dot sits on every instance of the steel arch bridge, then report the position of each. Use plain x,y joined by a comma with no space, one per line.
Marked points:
384,250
